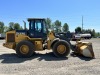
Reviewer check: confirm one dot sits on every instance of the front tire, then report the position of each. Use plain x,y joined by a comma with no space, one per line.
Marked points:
24,49
61,48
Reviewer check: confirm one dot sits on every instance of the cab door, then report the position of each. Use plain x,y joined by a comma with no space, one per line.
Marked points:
37,29
40,29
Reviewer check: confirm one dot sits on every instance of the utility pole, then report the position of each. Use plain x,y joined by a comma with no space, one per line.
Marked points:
82,24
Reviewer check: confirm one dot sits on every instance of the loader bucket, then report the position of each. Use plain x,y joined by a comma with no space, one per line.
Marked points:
85,49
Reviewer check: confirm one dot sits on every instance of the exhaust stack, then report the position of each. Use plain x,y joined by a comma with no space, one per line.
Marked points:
24,24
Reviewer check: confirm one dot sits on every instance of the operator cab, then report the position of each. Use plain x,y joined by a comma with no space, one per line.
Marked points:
37,28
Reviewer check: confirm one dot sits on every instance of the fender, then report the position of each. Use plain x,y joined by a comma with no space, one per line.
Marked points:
54,41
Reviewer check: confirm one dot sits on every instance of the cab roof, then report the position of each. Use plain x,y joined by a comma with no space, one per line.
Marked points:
29,19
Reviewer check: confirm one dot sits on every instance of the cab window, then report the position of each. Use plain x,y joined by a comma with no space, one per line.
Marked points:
38,26
44,27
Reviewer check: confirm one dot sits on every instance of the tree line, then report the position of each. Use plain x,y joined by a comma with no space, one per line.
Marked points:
56,26
11,26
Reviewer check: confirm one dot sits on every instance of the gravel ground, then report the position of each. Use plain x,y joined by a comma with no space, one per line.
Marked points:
45,63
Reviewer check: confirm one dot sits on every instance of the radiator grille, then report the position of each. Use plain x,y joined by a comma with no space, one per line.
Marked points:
11,37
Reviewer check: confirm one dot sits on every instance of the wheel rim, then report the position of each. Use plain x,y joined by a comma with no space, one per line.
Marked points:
24,49
61,49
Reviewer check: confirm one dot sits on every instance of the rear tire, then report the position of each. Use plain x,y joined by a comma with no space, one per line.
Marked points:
61,48
24,49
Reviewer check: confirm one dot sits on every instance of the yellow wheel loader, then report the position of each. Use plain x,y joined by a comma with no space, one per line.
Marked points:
37,38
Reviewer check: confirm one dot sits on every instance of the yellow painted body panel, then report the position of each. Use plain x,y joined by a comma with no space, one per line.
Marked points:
50,38
83,47
38,42
19,37
38,45
10,45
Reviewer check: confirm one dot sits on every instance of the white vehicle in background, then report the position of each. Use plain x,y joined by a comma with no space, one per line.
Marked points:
76,37
2,35
80,36
98,37
86,36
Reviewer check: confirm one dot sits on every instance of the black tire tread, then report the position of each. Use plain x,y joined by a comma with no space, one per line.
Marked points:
67,47
31,49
